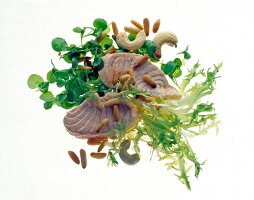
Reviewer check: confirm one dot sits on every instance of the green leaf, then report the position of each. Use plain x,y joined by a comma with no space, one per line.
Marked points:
60,83
169,68
186,55
62,97
50,77
150,47
77,30
100,24
132,36
97,33
178,62
34,80
63,74
74,62
106,42
177,73
47,96
48,104
98,63
43,87
59,44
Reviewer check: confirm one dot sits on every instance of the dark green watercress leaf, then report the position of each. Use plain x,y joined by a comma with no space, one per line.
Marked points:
100,24
178,62
186,55
106,42
43,86
67,58
74,62
97,33
62,97
59,44
47,96
169,68
132,36
48,104
34,80
150,47
98,63
77,30
63,74
60,83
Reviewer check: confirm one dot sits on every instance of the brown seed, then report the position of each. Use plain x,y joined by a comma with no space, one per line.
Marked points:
111,50
116,113
96,141
132,30
102,145
116,78
103,35
83,158
141,60
146,99
74,157
156,25
146,25
137,24
112,102
115,29
86,58
98,155
84,67
98,103
124,78
131,73
148,79
103,123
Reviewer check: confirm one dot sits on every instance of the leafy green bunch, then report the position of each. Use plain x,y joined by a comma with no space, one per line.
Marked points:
77,83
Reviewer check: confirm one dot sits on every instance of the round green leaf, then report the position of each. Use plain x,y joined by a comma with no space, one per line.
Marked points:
100,24
177,73
34,80
59,44
50,77
48,104
77,30
186,55
169,68
47,96
178,62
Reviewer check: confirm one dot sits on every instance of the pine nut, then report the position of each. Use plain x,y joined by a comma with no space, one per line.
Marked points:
132,30
146,25
74,157
149,80
98,155
112,102
84,67
137,24
98,103
156,25
124,78
103,123
96,141
131,73
116,113
83,158
102,145
141,60
115,29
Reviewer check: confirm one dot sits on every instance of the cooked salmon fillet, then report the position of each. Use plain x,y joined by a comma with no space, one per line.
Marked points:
118,64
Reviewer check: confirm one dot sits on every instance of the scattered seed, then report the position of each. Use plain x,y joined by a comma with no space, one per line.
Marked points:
131,73
114,28
140,61
83,158
137,24
148,79
74,157
124,78
146,25
112,50
103,123
116,113
116,78
132,30
98,155
156,25
112,102
103,35
98,103
96,141
84,67
102,145
86,58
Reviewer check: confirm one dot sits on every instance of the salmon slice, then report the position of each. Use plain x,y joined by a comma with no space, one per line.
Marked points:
118,64
84,120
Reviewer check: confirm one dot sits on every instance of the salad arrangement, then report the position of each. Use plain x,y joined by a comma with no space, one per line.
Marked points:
119,97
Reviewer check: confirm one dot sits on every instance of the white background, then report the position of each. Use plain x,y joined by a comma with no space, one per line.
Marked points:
33,142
